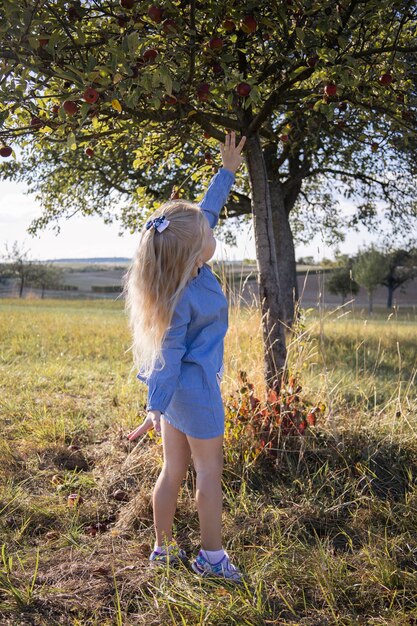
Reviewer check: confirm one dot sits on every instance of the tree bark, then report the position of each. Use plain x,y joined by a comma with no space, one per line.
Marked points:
284,240
284,245
268,277
390,296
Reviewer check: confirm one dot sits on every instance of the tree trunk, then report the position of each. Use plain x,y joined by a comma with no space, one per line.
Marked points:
390,296
22,283
284,245
371,301
268,278
284,240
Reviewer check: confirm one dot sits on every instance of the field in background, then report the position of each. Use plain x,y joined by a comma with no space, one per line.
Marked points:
90,280
326,536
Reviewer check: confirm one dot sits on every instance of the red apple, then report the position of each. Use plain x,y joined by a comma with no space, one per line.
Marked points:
89,152
228,24
70,107
43,42
73,13
74,499
36,122
248,24
243,89
203,91
330,89
150,54
284,138
90,95
55,109
385,79
313,60
155,13
5,151
216,43
127,4
169,26
217,68
121,495
122,20
207,135
171,99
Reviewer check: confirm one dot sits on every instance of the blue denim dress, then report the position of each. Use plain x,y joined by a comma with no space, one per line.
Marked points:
187,390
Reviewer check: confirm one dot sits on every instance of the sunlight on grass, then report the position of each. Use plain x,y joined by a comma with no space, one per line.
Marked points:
326,533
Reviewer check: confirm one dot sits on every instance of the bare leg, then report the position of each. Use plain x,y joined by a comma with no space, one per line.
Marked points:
177,456
208,461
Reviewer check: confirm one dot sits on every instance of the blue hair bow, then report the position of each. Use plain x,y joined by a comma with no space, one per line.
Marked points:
159,223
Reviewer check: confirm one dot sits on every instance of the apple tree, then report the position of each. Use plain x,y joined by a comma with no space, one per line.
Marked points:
324,91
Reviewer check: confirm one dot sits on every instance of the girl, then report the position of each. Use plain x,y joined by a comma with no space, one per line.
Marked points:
178,315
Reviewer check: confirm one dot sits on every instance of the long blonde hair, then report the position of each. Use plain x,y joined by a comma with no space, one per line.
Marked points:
162,266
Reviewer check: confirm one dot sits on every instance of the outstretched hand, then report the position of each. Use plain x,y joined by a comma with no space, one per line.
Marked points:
231,156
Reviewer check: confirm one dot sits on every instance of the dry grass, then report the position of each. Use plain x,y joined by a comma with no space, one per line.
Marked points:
326,534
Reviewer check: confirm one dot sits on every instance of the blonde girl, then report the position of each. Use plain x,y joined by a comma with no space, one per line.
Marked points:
178,315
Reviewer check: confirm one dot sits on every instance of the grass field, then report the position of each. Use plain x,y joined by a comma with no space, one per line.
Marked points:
326,532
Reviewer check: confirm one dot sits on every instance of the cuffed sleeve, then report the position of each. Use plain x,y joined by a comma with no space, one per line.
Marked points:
162,382
216,195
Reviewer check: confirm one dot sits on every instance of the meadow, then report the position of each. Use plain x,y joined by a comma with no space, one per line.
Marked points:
325,529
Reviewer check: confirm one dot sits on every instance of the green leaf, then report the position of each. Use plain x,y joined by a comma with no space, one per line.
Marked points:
167,82
300,33
71,141
132,42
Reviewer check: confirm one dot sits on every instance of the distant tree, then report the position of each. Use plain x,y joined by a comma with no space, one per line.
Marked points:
341,282
369,270
17,265
402,267
46,276
306,260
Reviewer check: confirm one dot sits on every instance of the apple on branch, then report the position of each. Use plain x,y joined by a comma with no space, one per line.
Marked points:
127,4
330,89
150,54
228,24
203,92
36,122
155,13
248,24
216,43
5,151
70,107
385,79
243,89
91,95
169,26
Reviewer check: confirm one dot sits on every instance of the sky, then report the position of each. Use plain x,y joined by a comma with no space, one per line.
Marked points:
88,236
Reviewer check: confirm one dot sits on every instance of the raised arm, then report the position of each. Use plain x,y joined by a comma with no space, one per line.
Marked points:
221,183
216,195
